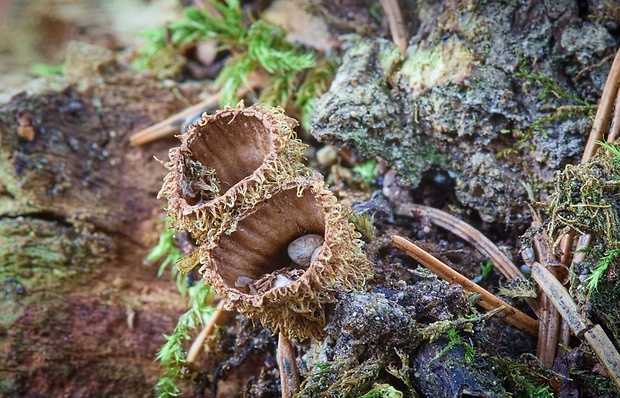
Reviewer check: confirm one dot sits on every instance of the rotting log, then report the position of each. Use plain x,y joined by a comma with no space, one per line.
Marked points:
80,314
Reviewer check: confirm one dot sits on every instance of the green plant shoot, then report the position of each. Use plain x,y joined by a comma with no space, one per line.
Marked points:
600,268
167,250
367,170
292,70
486,269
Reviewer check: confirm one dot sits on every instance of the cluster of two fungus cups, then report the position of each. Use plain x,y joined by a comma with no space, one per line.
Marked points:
274,242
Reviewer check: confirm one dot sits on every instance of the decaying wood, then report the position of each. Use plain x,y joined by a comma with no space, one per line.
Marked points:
77,217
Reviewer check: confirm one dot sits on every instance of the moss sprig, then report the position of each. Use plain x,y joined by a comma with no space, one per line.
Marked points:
167,250
600,268
586,199
527,377
555,101
172,354
547,84
486,269
455,340
366,170
293,72
383,391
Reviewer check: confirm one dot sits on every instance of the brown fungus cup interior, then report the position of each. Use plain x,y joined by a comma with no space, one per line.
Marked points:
224,151
259,245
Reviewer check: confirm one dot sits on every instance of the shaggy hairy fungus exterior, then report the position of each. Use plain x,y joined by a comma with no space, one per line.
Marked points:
273,241
226,164
252,271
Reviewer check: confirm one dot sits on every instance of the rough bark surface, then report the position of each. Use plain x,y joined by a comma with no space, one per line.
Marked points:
494,96
80,314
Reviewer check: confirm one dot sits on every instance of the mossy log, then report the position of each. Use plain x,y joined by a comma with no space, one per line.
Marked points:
492,96
80,315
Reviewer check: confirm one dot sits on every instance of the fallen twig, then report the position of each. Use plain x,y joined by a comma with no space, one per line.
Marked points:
581,327
396,23
489,301
594,66
289,374
615,121
474,237
170,125
466,232
604,111
548,333
549,318
197,346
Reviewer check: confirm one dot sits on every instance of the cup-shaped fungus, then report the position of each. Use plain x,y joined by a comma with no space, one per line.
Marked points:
252,271
226,163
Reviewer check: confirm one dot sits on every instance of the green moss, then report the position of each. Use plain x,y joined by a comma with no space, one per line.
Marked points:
596,385
547,86
172,354
555,103
434,363
36,253
599,269
587,200
48,70
295,73
169,254
526,377
383,391
604,301
366,170
40,253
454,340
350,382
364,224
8,388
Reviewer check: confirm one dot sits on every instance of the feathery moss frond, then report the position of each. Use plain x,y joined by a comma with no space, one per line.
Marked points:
233,76
613,149
202,25
167,249
172,353
254,46
600,268
267,44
